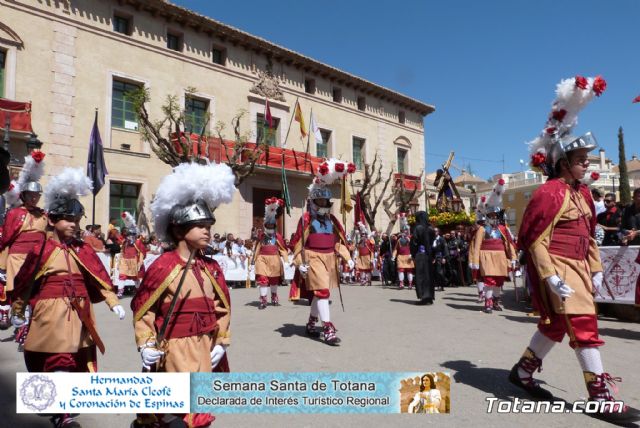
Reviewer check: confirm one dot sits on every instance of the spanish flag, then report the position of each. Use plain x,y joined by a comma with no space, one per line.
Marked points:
300,119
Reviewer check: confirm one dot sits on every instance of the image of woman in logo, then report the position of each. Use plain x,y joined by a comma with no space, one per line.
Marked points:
429,398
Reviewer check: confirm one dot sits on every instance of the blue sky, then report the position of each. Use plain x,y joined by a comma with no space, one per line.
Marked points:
489,67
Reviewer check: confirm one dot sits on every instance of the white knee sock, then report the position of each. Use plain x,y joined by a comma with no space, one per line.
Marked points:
590,360
401,277
274,289
323,309
314,307
497,291
263,291
480,286
410,277
488,292
540,345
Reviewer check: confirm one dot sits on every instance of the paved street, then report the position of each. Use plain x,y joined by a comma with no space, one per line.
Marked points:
381,330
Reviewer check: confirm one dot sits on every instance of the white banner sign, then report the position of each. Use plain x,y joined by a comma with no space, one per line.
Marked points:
102,392
620,275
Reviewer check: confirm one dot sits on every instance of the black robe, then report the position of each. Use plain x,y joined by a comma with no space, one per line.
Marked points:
421,250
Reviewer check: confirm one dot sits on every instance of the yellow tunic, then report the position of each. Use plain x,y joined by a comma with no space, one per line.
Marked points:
192,353
14,261
270,265
55,326
575,273
490,262
323,267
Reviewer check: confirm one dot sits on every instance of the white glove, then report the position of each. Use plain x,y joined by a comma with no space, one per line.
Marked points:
216,355
150,355
119,311
304,269
596,279
514,263
17,321
559,287
351,264
393,259
474,266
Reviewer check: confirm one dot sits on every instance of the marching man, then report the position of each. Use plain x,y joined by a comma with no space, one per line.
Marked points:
402,253
365,252
131,264
24,227
270,253
61,279
319,242
493,251
182,307
563,261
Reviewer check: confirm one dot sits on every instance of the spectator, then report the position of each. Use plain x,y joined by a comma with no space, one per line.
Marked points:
597,200
631,221
610,221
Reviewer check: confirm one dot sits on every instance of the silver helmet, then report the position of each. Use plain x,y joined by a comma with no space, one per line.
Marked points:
66,207
32,186
197,212
320,192
569,143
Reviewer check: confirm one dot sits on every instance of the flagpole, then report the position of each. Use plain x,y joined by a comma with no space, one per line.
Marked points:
306,150
290,123
95,172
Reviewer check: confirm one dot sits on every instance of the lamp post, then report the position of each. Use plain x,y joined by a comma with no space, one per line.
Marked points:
33,143
6,139
613,179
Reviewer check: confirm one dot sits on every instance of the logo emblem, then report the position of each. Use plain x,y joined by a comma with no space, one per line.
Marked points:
38,392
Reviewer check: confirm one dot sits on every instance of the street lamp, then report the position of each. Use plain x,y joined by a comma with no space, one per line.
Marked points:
33,143
613,179
6,139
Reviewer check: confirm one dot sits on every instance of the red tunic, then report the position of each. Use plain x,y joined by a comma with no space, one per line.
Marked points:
540,214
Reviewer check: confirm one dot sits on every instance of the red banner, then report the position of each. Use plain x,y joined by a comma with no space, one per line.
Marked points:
19,114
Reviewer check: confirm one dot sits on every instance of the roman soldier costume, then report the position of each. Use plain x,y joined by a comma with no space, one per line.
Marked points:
365,251
60,280
493,251
318,243
24,227
182,307
270,253
402,253
131,260
563,261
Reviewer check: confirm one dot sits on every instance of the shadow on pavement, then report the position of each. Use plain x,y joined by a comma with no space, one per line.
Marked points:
476,308
523,318
621,333
459,299
408,302
290,330
493,381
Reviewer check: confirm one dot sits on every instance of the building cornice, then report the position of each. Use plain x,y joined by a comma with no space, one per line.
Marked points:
227,33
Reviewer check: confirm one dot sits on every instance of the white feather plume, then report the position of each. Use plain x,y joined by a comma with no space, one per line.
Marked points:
323,180
495,198
570,99
270,212
129,221
12,196
71,183
31,171
189,182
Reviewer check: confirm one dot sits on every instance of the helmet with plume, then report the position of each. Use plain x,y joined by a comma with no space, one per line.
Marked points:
32,171
62,193
555,141
129,224
190,195
271,206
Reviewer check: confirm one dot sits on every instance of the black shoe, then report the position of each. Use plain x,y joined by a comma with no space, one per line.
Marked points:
488,310
535,390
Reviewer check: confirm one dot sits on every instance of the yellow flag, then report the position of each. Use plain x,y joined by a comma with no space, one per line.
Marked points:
300,119
345,196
